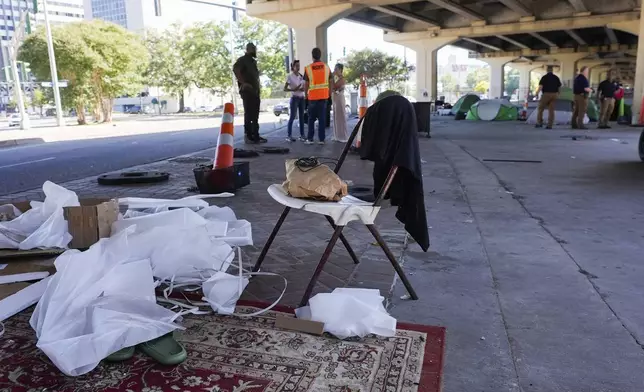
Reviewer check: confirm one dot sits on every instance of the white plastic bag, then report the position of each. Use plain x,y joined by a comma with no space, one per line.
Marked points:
181,253
44,225
98,302
350,312
179,218
222,291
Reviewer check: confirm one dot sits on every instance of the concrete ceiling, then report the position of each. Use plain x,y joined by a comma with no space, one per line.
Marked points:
412,16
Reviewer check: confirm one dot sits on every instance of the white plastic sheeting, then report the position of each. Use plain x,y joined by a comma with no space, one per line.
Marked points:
348,312
98,302
44,225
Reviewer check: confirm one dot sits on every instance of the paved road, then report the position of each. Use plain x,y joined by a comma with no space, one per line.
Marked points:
27,167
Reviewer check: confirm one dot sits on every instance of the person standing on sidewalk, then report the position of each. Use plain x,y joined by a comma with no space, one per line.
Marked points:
295,84
318,84
247,75
581,89
606,91
549,85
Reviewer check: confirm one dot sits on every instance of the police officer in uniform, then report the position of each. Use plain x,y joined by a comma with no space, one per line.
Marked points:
606,91
581,90
318,84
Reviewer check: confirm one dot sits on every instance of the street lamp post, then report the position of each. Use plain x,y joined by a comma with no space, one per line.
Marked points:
52,65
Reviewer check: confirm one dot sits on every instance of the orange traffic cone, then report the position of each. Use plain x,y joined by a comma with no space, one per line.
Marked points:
225,149
362,109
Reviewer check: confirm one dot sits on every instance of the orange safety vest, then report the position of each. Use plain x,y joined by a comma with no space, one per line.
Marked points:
318,74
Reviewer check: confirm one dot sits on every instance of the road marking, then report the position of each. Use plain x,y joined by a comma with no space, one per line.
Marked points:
26,163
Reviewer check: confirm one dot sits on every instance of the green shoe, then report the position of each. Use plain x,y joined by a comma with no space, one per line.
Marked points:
122,355
165,350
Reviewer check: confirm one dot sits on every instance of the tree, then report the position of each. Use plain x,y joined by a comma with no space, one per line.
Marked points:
482,87
122,62
208,56
511,81
100,61
379,67
39,100
479,75
169,67
271,39
448,82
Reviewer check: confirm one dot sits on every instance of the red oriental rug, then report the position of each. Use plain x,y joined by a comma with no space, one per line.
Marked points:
235,354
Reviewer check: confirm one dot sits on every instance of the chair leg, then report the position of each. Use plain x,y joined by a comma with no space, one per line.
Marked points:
325,256
394,262
345,242
271,238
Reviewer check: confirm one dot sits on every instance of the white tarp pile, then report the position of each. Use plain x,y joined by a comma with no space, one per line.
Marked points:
43,226
103,299
348,312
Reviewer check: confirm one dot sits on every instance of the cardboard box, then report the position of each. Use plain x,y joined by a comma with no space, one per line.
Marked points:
89,222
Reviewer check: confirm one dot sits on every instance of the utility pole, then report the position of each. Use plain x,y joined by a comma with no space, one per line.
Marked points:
13,55
52,65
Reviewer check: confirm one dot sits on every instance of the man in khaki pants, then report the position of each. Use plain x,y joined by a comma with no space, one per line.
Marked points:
606,92
549,85
581,89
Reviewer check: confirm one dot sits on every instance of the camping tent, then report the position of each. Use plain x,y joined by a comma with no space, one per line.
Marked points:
493,110
564,108
464,103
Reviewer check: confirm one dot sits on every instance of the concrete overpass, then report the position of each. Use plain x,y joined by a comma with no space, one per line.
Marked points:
526,33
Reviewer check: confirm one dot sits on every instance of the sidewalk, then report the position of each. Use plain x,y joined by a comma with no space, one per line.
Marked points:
535,268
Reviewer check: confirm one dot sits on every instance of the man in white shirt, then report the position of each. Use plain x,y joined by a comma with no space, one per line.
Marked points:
295,84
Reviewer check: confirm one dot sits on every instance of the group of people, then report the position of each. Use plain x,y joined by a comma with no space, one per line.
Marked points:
310,91
608,91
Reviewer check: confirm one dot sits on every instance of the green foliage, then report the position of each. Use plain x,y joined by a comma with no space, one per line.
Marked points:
379,68
168,67
39,99
208,57
100,61
482,87
474,78
271,39
448,82
511,82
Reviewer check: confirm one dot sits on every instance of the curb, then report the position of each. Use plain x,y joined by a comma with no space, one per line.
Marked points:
20,142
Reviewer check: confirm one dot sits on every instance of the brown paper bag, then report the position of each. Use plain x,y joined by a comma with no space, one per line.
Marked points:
319,183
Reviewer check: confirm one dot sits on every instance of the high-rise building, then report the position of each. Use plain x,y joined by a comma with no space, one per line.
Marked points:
59,11
139,15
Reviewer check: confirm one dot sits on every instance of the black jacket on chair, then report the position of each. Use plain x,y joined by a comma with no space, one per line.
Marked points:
390,138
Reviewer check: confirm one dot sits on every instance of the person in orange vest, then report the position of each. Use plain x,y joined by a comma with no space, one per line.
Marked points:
318,83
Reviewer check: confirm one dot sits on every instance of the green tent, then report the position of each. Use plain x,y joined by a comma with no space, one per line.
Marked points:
565,94
493,110
464,103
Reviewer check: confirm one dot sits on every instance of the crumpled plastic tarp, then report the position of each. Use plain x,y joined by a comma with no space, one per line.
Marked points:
44,225
348,312
98,302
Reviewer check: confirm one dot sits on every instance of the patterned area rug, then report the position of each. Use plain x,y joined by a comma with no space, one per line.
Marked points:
235,354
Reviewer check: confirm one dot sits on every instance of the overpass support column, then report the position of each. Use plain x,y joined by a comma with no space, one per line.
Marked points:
568,66
426,68
524,79
638,85
496,75
310,23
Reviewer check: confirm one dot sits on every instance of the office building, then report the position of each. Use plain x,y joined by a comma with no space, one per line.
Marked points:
60,11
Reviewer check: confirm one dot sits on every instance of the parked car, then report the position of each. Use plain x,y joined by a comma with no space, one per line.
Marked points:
188,109
280,108
14,120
